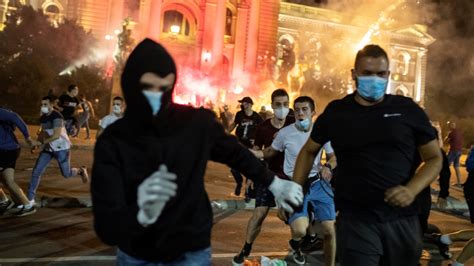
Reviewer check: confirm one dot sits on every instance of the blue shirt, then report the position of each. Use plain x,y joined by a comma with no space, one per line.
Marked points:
8,122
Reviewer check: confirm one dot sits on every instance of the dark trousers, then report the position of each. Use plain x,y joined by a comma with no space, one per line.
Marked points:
238,180
393,243
444,177
423,202
469,194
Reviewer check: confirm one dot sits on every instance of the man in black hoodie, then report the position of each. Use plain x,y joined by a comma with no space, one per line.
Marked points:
148,175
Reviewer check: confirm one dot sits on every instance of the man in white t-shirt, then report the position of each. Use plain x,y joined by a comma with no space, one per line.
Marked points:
117,113
319,196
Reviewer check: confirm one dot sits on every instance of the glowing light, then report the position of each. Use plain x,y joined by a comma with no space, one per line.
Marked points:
206,56
108,37
175,29
238,89
117,32
374,28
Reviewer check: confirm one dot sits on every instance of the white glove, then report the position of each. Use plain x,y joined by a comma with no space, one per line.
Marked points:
288,194
153,194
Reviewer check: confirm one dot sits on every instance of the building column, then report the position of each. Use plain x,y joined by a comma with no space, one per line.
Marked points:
115,16
154,22
240,40
252,37
420,77
219,32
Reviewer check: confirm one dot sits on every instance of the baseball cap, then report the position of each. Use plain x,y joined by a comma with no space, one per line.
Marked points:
246,100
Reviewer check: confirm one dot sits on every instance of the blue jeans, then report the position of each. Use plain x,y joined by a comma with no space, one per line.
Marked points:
69,124
63,158
453,158
192,258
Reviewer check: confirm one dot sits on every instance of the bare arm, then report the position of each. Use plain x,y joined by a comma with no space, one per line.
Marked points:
266,153
231,127
305,161
402,196
99,131
55,136
91,109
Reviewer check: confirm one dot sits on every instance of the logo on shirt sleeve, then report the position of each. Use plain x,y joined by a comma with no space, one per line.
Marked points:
392,115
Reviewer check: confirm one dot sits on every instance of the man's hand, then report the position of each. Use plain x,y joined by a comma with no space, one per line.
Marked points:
154,193
288,194
399,196
257,153
326,173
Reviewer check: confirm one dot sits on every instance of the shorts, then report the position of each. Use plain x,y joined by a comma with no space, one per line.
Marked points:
319,201
8,158
453,158
264,197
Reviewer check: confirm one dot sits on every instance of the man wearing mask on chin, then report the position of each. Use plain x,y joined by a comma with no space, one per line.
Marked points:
117,113
318,199
264,136
148,174
376,137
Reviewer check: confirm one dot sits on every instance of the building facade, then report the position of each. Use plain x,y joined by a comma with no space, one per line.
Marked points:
298,46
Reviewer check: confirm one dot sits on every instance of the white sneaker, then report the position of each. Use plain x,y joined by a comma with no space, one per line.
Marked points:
29,205
466,214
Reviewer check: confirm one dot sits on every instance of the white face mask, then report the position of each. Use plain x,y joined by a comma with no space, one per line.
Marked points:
154,99
281,112
117,109
44,109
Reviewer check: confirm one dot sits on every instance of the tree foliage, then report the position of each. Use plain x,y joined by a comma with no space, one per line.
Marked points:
33,52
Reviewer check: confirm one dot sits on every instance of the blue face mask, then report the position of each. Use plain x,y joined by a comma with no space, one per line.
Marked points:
154,99
303,124
371,88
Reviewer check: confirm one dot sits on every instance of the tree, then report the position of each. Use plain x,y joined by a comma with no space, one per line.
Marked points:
33,52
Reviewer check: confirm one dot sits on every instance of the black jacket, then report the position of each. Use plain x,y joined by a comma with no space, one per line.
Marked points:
181,137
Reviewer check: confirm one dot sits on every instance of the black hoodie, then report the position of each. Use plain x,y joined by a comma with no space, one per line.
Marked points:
181,137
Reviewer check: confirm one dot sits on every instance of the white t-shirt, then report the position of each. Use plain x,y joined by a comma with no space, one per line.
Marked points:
108,120
290,140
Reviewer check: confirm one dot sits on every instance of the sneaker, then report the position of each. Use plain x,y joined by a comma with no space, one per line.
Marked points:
4,206
84,175
466,214
21,206
443,248
239,258
299,258
26,211
311,243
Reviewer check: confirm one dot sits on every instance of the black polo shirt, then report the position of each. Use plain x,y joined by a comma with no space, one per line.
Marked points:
376,148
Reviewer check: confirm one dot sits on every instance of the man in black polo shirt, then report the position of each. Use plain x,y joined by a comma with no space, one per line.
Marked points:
376,138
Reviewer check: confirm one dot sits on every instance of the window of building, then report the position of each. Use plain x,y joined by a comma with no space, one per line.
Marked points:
175,22
228,22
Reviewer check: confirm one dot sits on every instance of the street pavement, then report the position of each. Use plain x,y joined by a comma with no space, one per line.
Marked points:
61,231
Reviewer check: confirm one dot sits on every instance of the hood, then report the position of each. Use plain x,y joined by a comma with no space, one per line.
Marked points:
148,56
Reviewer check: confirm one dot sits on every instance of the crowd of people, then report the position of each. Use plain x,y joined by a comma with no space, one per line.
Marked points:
355,180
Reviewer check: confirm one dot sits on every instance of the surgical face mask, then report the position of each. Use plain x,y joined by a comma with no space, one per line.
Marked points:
281,112
117,109
44,109
304,124
154,99
371,88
